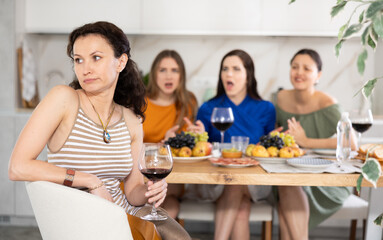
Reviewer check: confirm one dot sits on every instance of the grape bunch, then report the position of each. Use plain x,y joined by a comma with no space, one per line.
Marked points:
181,140
271,141
288,140
199,137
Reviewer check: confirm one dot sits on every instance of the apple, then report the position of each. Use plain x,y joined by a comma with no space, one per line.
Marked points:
249,149
163,151
286,152
175,151
185,152
202,149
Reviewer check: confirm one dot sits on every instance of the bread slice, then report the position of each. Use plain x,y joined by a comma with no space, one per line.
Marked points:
373,150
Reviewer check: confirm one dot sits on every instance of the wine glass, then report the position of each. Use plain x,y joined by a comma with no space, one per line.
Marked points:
222,119
361,121
155,165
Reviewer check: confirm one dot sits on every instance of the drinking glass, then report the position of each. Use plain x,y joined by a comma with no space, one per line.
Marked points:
361,120
155,165
222,119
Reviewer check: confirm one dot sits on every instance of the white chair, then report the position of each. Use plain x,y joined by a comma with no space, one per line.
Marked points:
354,208
203,211
64,213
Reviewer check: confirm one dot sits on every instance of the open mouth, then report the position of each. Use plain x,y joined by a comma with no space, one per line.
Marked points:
229,84
168,85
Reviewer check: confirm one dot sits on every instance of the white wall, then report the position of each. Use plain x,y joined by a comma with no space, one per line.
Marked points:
202,56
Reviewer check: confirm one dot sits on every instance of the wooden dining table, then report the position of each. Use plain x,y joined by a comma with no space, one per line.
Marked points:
203,172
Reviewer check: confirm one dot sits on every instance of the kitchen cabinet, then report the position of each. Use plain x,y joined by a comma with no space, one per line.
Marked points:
198,17
213,17
53,16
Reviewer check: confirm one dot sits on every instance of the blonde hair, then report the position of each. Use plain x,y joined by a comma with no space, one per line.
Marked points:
185,101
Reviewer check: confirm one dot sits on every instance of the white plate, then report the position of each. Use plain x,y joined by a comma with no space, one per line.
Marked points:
310,162
270,159
231,165
324,151
190,159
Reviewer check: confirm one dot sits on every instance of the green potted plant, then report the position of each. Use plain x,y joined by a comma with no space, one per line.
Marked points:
370,23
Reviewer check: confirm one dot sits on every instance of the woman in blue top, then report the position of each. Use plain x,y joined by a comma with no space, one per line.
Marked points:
253,117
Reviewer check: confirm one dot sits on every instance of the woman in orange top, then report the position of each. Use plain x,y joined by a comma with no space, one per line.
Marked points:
170,106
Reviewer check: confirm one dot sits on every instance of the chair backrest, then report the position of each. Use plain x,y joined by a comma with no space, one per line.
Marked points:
67,213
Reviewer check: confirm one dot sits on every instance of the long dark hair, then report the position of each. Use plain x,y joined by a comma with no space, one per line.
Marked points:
130,90
313,54
251,81
185,101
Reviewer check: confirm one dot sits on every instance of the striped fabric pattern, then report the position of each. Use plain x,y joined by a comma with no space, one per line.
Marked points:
86,151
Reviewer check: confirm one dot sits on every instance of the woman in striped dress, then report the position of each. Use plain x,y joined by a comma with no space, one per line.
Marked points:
93,130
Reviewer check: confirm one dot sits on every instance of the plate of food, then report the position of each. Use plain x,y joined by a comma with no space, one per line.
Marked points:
318,163
233,162
190,159
270,159
272,154
324,151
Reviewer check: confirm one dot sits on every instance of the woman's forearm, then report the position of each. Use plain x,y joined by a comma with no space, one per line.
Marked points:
319,143
35,170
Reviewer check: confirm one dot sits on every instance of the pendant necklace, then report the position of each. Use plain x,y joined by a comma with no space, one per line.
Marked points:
105,135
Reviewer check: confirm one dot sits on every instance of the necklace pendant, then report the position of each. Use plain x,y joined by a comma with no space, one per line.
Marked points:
106,137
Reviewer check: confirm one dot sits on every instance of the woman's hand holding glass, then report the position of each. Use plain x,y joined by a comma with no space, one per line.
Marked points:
156,192
155,163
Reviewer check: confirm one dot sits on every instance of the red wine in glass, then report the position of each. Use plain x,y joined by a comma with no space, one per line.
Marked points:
361,127
222,126
155,174
222,119
156,164
361,121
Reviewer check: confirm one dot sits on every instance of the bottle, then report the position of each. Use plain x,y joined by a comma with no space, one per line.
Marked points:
343,147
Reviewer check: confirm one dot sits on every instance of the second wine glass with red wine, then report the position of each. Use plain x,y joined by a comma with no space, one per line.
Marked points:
156,165
222,119
361,121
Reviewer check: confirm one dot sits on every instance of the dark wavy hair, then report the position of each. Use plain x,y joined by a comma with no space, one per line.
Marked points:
313,54
251,81
130,90
185,101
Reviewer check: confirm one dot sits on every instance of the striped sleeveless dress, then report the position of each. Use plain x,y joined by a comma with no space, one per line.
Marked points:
85,150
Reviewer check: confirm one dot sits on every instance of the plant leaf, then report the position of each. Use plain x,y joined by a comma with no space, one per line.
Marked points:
374,8
368,87
338,46
364,35
354,28
361,16
361,61
371,170
377,22
337,8
341,31
359,183
371,42
378,220
291,1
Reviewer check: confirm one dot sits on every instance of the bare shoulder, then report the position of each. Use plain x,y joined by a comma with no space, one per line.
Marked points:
133,122
62,95
284,97
325,100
